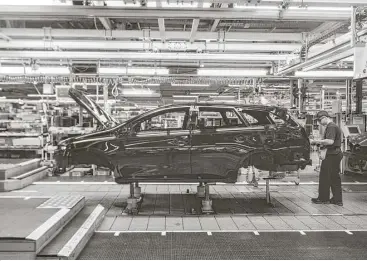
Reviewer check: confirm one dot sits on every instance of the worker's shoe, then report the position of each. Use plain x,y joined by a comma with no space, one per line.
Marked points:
319,201
338,203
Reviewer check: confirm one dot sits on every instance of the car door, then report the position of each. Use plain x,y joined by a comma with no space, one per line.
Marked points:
217,143
156,148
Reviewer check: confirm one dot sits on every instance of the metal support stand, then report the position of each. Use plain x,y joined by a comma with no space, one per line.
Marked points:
267,184
200,190
268,198
207,202
137,191
132,202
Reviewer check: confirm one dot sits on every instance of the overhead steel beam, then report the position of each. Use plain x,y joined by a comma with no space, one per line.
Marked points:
8,24
162,29
331,59
141,46
214,25
333,51
104,21
336,51
216,21
187,64
134,34
72,12
194,28
141,56
4,36
295,3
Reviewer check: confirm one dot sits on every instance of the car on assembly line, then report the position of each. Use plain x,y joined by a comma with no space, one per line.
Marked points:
197,142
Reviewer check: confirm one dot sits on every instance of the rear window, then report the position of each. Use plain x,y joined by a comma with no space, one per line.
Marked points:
256,117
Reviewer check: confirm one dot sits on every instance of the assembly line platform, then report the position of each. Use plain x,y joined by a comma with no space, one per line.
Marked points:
29,223
170,221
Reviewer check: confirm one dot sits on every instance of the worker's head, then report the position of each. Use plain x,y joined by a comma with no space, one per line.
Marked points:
323,117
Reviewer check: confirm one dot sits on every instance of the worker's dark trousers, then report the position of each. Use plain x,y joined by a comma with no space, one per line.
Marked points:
330,178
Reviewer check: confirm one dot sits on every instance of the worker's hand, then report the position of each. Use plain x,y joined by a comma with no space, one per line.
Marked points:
313,142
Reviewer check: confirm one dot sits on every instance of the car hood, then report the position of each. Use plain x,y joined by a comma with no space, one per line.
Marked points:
92,108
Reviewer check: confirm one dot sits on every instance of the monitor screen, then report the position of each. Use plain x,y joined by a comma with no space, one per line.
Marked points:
353,130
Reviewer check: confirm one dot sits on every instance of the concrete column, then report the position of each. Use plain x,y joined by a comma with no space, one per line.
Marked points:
322,100
359,96
80,116
291,93
105,96
300,100
348,86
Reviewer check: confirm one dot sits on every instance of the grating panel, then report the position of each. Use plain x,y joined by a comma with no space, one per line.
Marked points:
235,246
61,202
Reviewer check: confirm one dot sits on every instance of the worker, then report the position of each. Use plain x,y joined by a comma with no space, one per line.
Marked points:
331,156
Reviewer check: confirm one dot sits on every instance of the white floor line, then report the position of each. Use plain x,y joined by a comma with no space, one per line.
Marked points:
26,198
58,182
209,233
256,232
302,233
24,191
30,197
348,232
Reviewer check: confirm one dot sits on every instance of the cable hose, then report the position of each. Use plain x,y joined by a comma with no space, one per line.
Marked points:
115,91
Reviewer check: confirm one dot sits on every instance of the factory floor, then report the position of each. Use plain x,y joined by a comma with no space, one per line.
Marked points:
171,225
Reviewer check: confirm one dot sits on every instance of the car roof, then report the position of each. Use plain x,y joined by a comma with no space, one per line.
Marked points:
229,104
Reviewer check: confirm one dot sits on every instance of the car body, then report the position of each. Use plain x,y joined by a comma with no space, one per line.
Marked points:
356,160
197,142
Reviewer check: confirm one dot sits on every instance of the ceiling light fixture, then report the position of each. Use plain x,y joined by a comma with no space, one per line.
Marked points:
36,2
190,84
324,74
231,72
133,71
28,70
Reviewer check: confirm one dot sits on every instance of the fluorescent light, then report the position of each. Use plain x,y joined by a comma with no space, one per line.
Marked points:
231,72
139,93
122,4
135,71
140,84
266,7
319,8
326,74
184,101
36,2
177,4
136,91
190,84
184,97
13,70
204,93
150,71
223,98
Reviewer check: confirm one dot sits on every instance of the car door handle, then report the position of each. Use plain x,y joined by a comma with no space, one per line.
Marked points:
239,139
183,141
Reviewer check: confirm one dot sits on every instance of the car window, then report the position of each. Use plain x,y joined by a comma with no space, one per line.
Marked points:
257,117
210,117
276,119
167,120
